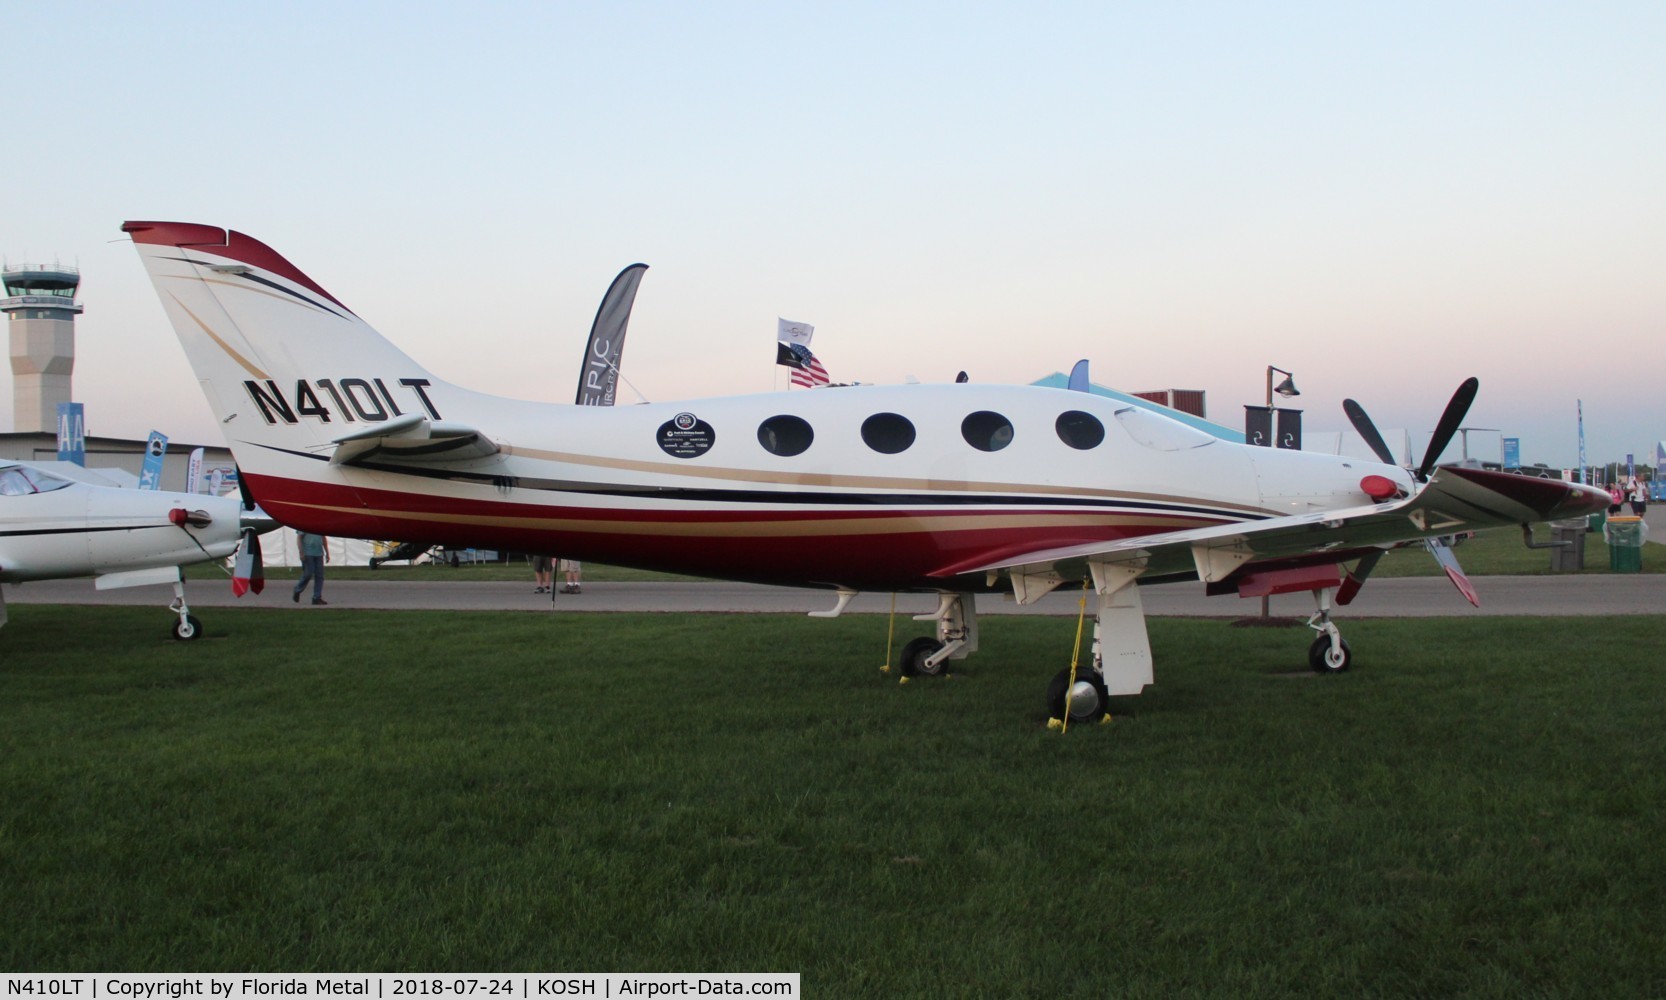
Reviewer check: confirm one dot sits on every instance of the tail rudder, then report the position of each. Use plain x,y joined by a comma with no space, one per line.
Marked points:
282,361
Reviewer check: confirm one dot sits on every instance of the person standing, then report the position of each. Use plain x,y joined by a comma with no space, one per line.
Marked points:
541,574
1639,497
1617,496
314,554
570,568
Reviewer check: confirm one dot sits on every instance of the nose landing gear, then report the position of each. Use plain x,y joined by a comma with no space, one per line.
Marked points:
1329,654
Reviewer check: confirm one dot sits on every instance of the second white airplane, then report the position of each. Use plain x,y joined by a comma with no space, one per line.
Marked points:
58,524
959,489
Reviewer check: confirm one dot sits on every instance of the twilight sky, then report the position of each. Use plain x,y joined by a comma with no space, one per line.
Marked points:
1382,198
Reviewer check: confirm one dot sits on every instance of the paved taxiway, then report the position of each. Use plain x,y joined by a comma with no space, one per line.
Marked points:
1415,597
1420,597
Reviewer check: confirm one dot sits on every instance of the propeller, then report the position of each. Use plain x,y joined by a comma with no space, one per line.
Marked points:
1450,419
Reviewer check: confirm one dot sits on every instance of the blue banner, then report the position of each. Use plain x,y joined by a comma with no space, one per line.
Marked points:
72,433
1512,453
150,476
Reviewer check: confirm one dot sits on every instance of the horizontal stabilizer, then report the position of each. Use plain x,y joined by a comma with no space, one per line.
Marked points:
413,438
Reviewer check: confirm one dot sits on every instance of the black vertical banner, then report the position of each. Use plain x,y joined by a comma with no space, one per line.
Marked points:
598,377
1258,425
1290,429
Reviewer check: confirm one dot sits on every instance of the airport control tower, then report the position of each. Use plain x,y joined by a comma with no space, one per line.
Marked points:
40,309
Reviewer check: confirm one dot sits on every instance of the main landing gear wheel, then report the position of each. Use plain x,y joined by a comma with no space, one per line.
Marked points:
187,628
1324,659
914,658
1089,701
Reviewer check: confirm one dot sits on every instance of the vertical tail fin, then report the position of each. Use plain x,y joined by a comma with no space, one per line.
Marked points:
283,362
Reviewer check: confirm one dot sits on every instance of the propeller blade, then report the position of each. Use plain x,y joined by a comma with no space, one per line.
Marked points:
1368,431
1449,562
243,491
1356,578
1448,426
248,571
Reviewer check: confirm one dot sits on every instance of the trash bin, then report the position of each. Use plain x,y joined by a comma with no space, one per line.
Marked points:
1625,537
1596,521
1569,554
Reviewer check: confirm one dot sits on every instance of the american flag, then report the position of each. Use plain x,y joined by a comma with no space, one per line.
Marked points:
807,371
811,374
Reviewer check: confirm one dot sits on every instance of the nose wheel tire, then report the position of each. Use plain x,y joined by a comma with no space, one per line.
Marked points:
1089,701
187,628
913,661
1325,659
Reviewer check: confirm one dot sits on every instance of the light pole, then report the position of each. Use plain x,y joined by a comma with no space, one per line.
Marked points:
1287,389
1463,432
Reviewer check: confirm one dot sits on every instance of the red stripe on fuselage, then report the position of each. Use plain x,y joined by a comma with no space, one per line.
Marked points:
832,548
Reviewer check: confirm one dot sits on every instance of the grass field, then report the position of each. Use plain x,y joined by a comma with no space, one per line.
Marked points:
1474,809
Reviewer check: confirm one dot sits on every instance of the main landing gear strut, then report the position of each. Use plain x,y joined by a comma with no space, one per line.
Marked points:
1121,658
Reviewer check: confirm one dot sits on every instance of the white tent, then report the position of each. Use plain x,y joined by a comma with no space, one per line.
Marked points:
282,548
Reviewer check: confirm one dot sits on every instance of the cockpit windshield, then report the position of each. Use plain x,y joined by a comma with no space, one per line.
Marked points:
20,480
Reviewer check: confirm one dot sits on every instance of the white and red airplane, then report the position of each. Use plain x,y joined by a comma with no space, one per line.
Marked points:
56,524
958,489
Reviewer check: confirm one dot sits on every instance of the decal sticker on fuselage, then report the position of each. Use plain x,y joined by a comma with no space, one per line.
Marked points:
686,436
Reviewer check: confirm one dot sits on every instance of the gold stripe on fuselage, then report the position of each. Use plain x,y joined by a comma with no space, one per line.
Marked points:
863,484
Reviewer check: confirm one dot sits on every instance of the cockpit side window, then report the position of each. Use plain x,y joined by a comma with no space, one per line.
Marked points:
1159,432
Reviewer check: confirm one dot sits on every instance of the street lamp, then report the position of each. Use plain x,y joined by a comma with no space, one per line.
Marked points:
1286,388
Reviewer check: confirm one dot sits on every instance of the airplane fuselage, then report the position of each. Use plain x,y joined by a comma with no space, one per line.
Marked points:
83,530
859,487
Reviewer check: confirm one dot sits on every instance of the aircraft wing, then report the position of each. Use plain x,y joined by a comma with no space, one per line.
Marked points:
1454,500
413,439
